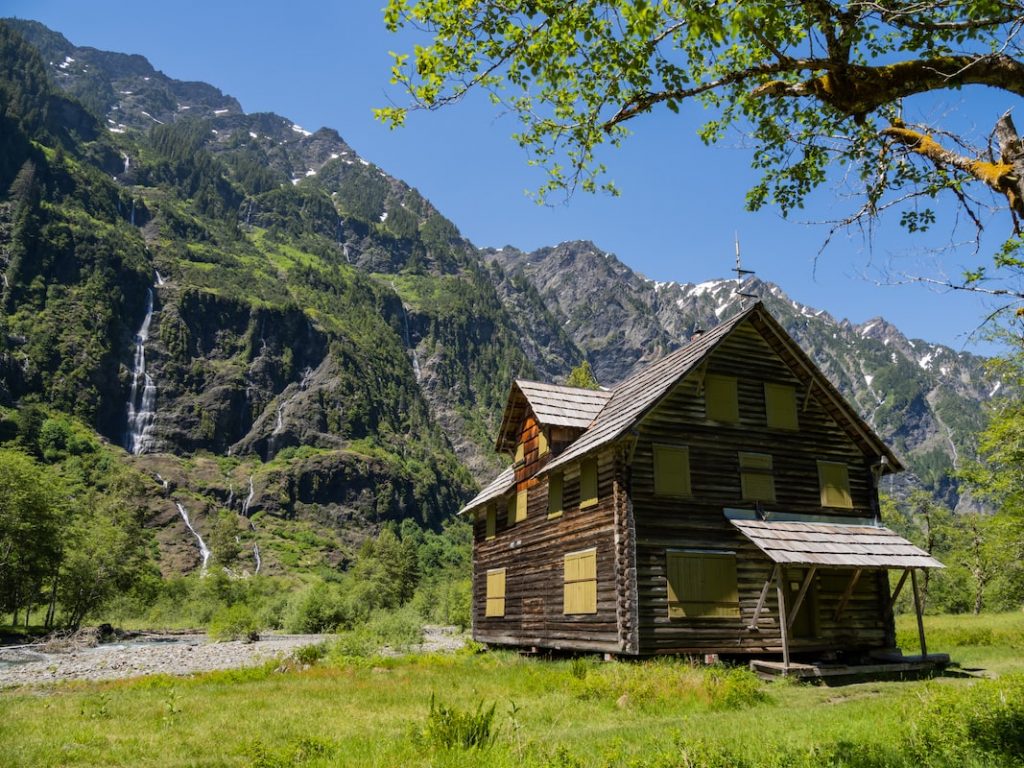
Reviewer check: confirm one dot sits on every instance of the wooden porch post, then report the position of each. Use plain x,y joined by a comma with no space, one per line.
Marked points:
917,610
761,598
899,588
783,628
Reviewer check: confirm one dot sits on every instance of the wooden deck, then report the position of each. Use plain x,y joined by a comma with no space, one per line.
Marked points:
894,667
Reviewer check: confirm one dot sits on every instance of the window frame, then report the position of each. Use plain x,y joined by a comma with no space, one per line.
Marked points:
847,501
586,467
659,488
756,465
489,598
722,610
584,586
731,413
788,392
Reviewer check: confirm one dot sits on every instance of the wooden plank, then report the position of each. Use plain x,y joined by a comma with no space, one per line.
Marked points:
783,624
808,579
761,598
847,594
917,610
899,588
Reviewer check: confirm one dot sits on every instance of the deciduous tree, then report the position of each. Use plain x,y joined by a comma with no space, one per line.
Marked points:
817,84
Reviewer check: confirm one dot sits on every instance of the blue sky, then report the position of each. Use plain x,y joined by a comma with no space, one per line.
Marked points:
327,64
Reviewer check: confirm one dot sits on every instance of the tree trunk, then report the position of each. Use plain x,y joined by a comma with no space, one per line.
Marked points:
1011,152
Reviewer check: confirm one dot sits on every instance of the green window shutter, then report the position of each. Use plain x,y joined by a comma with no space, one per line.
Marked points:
492,520
588,483
555,494
580,582
756,480
702,585
495,592
511,509
671,471
780,406
834,479
721,402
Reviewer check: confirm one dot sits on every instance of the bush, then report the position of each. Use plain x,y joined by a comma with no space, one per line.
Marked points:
237,622
397,630
452,728
320,608
310,654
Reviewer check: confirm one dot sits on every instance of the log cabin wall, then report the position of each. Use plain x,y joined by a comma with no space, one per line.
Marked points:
533,551
697,522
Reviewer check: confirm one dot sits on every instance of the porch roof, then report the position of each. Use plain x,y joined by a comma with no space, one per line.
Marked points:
834,544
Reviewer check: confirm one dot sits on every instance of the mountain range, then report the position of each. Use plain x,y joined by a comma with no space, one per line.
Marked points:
274,327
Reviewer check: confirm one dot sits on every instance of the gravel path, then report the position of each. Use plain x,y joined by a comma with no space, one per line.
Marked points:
172,655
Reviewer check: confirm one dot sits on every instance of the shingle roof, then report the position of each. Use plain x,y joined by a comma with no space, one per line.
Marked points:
499,486
563,406
641,392
834,544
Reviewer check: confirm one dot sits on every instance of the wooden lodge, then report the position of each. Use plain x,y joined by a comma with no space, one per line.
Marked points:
723,500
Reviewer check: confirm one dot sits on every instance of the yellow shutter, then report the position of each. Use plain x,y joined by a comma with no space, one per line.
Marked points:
702,585
671,471
555,494
756,480
720,399
834,478
580,587
520,453
521,506
588,483
542,443
495,592
780,406
492,520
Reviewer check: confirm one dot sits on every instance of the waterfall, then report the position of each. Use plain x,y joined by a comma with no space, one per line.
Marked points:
408,339
133,212
248,499
307,375
141,405
159,279
127,163
204,551
256,556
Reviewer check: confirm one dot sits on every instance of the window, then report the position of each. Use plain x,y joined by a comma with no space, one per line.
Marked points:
780,406
554,495
671,471
517,507
588,483
720,400
756,481
492,521
495,592
702,585
834,479
580,591
542,443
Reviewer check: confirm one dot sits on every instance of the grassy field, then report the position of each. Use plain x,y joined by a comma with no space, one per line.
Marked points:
562,714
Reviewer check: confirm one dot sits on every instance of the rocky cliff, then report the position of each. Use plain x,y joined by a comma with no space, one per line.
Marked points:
274,328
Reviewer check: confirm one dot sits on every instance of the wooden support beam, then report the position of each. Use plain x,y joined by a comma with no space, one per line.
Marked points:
808,580
781,595
807,396
847,594
760,600
899,588
917,610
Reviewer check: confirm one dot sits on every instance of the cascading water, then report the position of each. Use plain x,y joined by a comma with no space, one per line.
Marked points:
408,341
252,525
133,212
159,279
204,551
141,400
127,163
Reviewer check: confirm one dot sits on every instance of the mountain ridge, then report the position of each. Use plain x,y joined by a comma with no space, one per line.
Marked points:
323,336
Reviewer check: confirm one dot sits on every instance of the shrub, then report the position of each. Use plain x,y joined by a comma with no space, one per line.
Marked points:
310,654
452,728
237,622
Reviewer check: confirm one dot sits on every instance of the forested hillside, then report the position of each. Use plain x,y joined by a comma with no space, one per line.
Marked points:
283,347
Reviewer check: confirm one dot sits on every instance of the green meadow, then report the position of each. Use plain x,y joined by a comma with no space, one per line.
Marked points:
479,709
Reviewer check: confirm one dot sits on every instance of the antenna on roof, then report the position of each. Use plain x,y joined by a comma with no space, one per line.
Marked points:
741,272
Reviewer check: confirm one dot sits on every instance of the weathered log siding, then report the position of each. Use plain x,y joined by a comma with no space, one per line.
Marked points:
532,553
698,522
